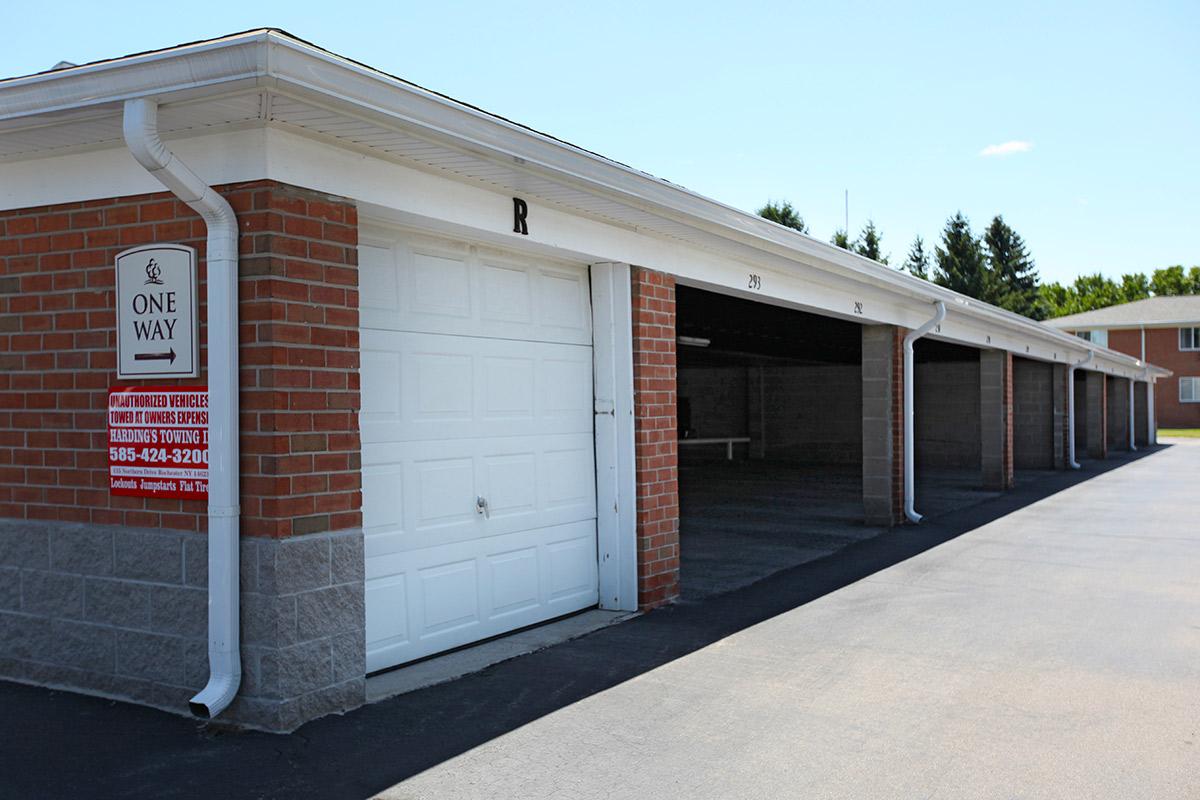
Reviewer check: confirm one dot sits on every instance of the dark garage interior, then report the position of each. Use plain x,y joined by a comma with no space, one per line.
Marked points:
1034,419
780,391
947,449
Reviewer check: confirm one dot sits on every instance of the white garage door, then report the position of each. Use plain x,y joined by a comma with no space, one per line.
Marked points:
478,455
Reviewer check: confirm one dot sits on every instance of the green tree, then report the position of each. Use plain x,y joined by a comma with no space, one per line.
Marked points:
1058,300
1193,280
1169,281
784,214
840,239
1014,277
918,260
1134,287
868,243
961,265
1096,291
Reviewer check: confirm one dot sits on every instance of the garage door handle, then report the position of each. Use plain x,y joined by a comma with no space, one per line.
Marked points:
481,505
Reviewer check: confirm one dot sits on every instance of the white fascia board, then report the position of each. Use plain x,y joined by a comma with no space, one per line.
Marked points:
226,157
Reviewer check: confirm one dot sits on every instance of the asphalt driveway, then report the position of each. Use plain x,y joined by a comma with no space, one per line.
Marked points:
1042,644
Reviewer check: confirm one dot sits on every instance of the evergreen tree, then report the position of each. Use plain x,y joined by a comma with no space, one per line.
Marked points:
961,265
1014,277
784,214
840,239
868,243
918,260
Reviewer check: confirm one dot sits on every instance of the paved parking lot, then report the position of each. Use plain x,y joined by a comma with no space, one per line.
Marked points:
1054,652
1041,644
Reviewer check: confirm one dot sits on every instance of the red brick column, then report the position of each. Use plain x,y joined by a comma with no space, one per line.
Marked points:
299,358
655,437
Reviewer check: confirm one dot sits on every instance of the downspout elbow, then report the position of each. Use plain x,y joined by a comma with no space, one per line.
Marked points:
939,315
140,127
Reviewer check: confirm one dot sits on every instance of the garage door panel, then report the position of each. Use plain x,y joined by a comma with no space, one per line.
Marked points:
477,383
449,597
433,286
427,490
447,387
507,294
465,593
571,566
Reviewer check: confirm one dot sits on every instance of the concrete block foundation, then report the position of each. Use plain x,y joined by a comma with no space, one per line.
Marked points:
122,612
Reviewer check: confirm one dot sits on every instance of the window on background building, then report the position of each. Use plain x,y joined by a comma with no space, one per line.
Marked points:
1189,390
1099,337
1085,335
1189,338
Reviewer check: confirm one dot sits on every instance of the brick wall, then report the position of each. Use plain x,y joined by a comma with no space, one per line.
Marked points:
299,358
1162,349
655,436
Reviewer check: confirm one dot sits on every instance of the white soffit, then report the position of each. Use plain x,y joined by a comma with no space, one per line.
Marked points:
100,126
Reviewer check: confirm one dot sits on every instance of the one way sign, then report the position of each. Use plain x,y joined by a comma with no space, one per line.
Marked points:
156,312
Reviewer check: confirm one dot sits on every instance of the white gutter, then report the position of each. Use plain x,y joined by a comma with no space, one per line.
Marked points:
910,482
1071,408
224,656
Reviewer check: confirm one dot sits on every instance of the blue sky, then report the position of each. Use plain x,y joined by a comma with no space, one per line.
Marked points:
748,101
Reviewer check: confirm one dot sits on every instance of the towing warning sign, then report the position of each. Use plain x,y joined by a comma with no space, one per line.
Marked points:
158,442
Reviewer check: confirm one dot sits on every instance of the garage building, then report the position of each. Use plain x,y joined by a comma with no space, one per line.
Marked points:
467,374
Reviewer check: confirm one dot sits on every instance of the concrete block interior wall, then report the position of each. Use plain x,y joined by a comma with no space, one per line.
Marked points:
1033,414
107,594
946,402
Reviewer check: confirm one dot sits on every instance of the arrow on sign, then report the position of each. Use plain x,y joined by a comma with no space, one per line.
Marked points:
170,356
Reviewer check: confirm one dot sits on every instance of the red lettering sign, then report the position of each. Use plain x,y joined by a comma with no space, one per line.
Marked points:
158,442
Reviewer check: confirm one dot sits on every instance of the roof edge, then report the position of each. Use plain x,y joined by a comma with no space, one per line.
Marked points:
269,54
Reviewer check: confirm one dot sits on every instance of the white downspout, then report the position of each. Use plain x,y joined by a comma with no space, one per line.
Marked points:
1132,421
1071,407
910,483
224,656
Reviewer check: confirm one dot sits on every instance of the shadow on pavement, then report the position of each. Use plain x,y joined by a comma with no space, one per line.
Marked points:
59,744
